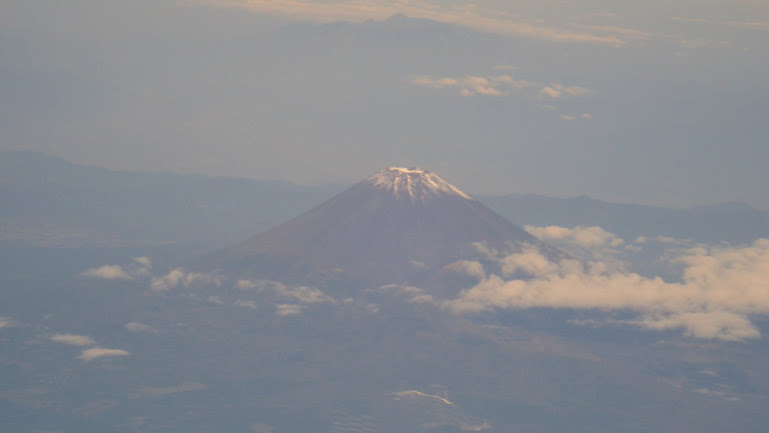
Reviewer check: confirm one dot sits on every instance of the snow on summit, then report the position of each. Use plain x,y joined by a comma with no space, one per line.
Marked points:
416,184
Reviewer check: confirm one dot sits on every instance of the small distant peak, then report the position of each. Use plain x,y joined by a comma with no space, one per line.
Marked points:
406,170
414,183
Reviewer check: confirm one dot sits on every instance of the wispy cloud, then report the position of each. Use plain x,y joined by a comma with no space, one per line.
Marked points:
623,32
753,25
101,352
72,339
140,327
500,85
661,239
468,15
415,294
5,322
745,24
184,387
720,288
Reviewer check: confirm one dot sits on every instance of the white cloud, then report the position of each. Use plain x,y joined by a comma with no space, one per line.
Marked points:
720,288
107,272
550,92
139,267
586,237
101,352
721,325
140,327
288,309
179,277
72,339
469,15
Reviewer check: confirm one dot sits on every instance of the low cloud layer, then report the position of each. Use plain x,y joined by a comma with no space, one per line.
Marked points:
720,288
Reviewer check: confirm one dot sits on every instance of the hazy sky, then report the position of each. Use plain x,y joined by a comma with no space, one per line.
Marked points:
652,102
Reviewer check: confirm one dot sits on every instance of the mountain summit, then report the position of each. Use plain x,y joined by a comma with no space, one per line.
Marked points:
414,184
399,226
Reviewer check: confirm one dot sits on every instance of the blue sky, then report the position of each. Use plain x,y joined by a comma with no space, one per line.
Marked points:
645,102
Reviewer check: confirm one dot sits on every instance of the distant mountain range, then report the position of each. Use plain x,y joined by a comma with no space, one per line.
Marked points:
48,201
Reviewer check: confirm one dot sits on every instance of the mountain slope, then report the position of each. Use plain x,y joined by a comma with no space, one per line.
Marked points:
398,226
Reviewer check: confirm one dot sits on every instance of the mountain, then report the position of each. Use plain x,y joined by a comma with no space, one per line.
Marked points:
399,226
